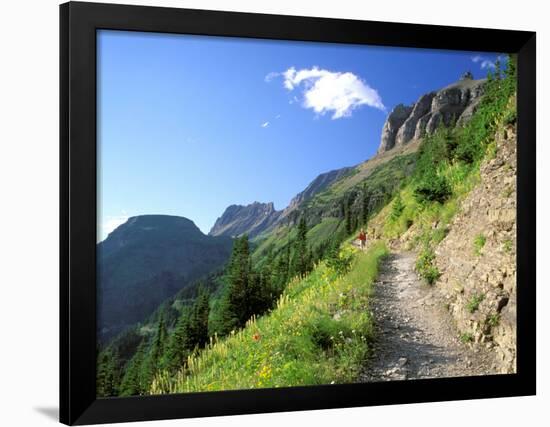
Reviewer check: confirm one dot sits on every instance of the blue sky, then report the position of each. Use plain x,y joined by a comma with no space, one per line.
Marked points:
188,125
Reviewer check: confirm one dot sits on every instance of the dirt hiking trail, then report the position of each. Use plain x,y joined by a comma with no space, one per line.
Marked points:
415,336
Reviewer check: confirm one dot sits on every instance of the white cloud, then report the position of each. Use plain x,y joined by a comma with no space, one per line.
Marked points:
486,63
271,76
264,124
278,116
326,91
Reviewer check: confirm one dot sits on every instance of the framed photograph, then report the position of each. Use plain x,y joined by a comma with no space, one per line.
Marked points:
267,213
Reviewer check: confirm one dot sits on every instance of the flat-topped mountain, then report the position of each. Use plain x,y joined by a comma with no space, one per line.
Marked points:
148,259
456,102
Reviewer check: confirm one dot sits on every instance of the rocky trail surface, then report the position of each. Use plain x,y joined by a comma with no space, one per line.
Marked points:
415,336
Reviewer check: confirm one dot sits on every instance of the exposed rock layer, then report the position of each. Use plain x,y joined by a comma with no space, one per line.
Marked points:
485,272
456,102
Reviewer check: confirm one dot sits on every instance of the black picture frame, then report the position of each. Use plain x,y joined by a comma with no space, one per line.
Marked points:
78,25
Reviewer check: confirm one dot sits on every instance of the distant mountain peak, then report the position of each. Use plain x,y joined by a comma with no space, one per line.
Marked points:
251,219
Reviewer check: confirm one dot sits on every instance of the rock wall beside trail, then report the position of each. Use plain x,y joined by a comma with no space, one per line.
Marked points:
478,281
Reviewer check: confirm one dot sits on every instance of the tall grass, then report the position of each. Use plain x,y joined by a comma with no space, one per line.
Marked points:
318,333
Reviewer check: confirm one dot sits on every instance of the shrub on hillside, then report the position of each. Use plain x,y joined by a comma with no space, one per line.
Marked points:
510,117
426,267
469,146
432,188
339,261
397,208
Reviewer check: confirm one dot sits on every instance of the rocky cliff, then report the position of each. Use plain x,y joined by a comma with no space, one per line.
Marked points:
251,219
456,102
477,259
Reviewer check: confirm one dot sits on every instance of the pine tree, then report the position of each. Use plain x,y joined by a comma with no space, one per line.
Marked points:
302,264
108,373
234,307
153,361
179,344
132,383
348,219
510,73
198,320
282,269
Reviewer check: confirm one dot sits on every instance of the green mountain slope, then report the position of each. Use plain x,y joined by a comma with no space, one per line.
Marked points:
148,259
317,334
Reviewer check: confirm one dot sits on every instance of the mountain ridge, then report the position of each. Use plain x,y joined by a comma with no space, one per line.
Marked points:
257,218
401,133
250,219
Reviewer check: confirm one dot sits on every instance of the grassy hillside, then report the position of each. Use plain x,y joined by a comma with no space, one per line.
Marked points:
318,333
354,198
315,328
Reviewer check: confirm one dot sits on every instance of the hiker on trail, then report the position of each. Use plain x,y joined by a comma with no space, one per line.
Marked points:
362,238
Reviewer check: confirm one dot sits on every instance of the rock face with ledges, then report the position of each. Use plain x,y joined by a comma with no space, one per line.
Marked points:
417,120
454,103
488,273
392,125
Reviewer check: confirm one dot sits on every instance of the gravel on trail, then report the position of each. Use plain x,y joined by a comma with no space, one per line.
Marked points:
415,336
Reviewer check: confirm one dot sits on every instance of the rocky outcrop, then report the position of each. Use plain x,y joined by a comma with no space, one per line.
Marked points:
252,219
319,184
454,103
477,259
418,118
392,125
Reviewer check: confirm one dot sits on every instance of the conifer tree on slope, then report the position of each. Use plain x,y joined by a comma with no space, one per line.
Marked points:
179,344
152,362
108,373
235,305
198,321
302,256
132,383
